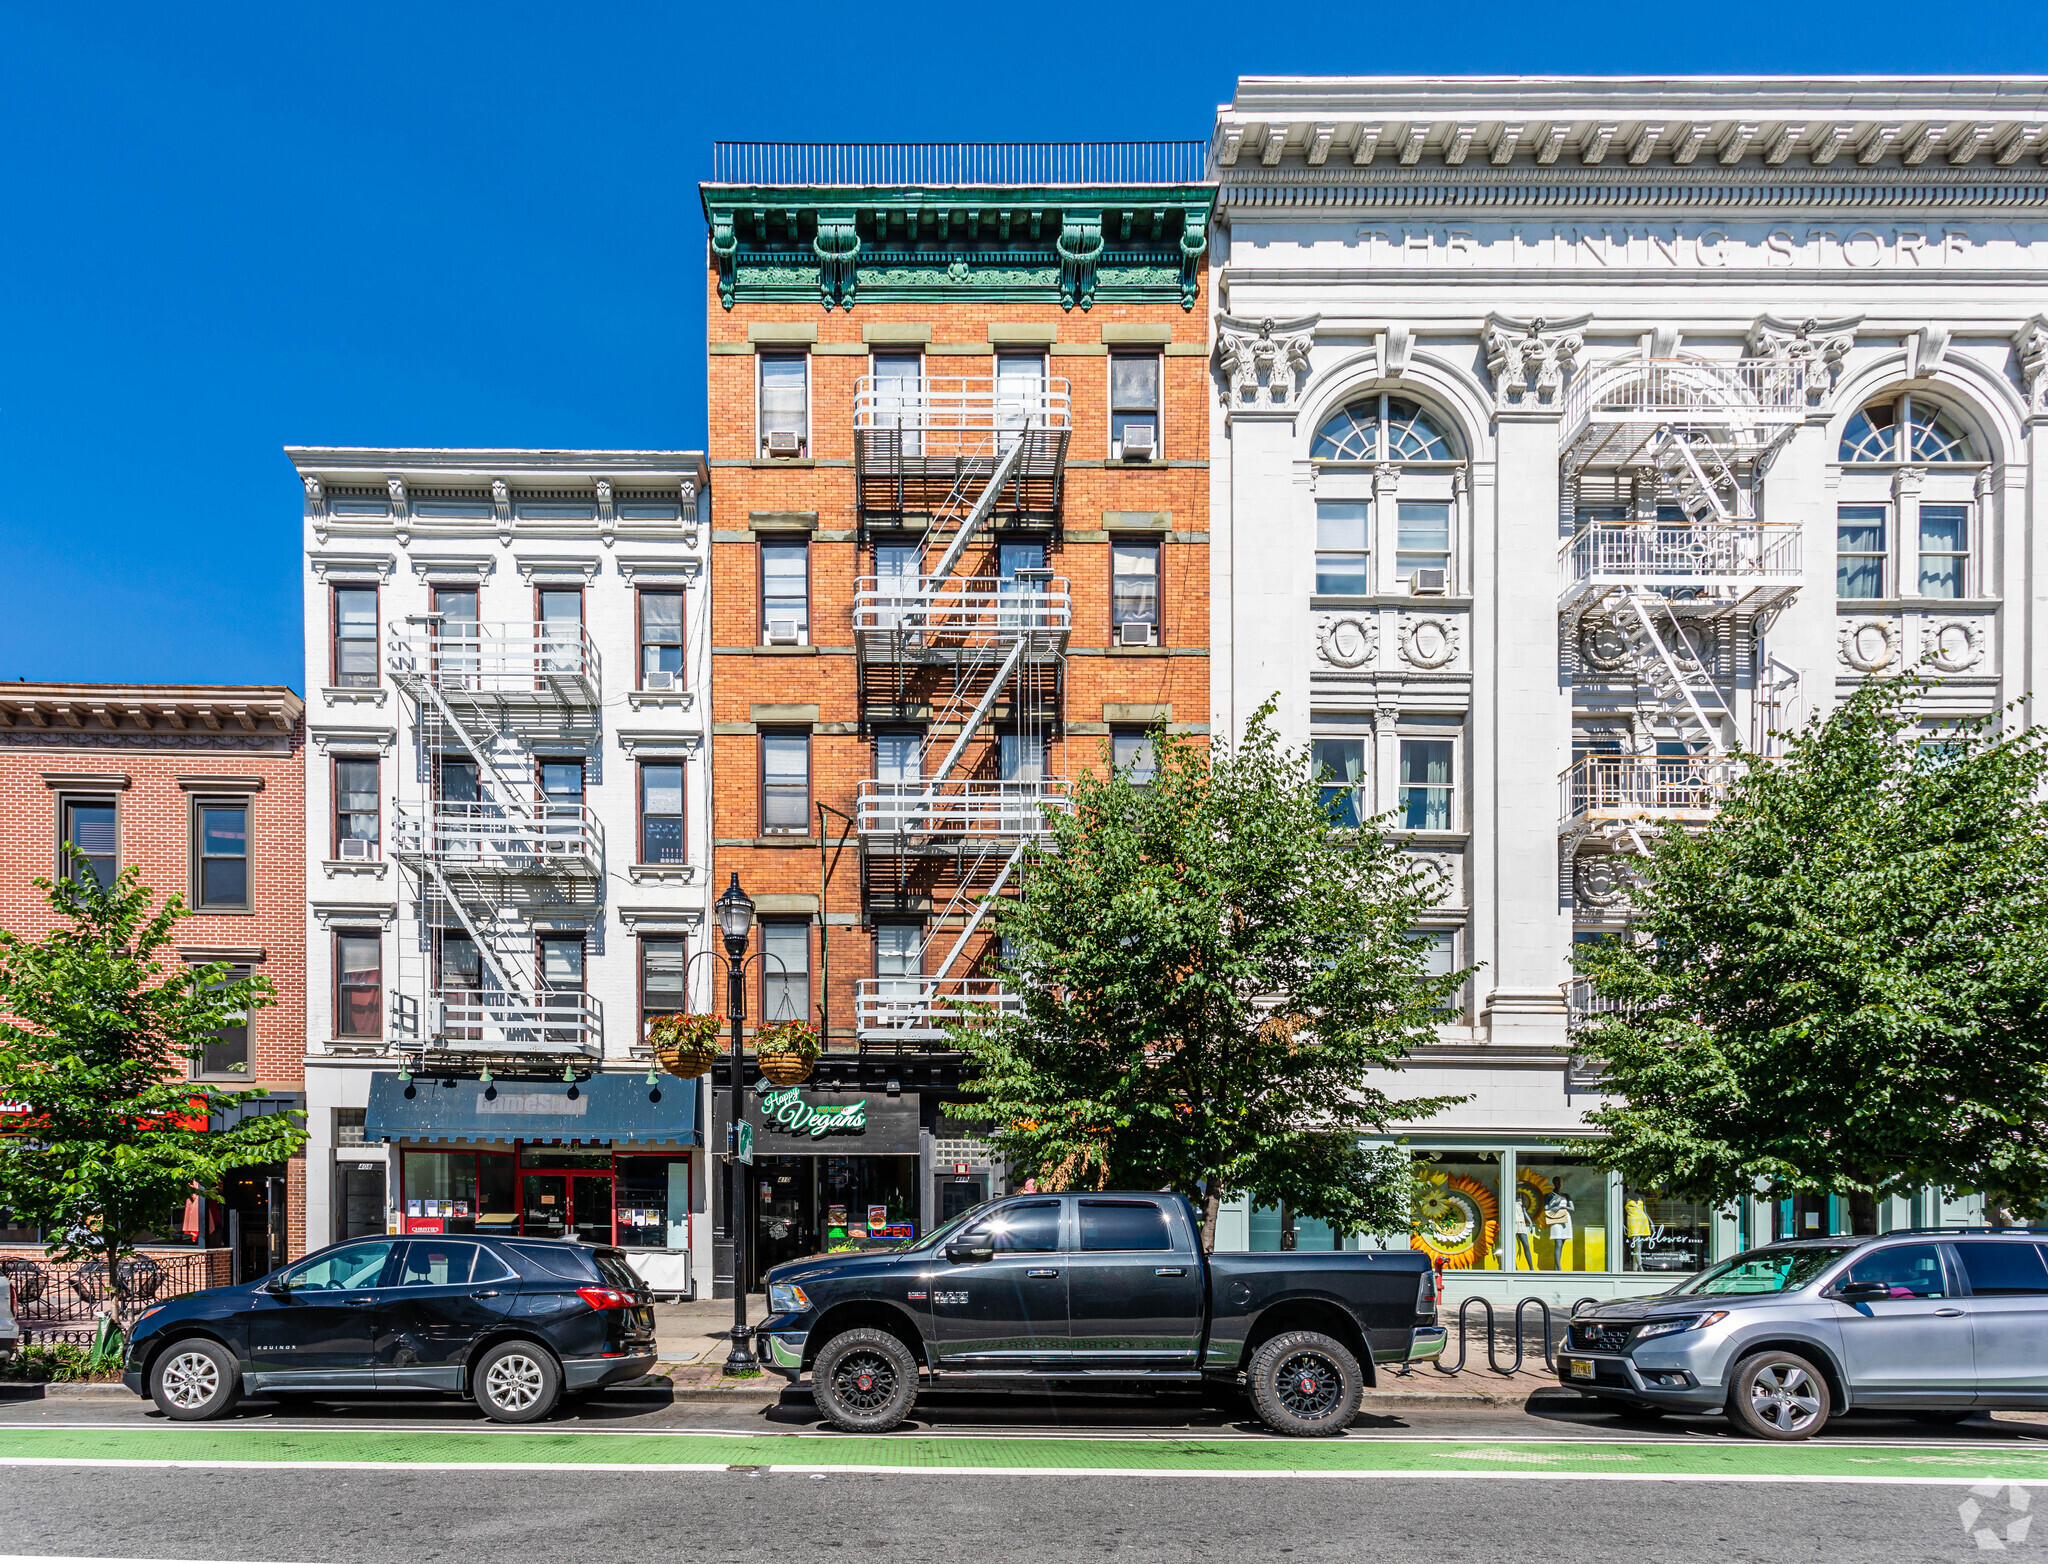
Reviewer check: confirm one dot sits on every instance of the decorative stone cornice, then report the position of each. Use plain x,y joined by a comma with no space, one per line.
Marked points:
154,716
2030,345
1073,245
639,742
345,914
649,569
1262,363
379,565
1531,359
1812,349
557,567
383,740
426,566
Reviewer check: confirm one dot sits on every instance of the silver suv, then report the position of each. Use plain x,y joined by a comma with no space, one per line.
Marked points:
1936,1323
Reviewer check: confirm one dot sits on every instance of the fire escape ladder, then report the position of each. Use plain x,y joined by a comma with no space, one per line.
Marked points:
511,980
980,713
983,506
981,907
1678,692
508,797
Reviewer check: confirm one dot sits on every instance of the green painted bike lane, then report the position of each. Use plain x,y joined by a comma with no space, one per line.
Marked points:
231,1447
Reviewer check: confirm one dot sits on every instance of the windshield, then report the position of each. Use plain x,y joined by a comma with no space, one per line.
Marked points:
1763,1271
944,1229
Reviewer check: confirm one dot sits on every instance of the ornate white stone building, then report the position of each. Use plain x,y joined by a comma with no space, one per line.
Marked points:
1569,431
507,844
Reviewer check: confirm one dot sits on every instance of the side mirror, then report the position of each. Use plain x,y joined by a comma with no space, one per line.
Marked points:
1862,1292
278,1287
970,1253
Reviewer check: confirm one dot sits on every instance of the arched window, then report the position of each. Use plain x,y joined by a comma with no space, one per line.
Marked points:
1904,428
1382,428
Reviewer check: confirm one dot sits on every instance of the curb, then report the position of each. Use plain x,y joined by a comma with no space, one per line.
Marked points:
46,1390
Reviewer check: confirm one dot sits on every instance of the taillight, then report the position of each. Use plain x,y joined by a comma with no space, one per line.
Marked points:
1429,1290
606,1298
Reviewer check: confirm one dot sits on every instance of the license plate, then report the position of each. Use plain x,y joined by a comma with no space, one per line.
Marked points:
1579,1368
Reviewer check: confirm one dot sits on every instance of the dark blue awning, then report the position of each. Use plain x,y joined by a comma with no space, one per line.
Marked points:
619,1109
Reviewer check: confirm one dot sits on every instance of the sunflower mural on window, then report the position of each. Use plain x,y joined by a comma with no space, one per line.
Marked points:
1455,1219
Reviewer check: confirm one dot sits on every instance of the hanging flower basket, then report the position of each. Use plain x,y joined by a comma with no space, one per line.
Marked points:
684,1045
787,1053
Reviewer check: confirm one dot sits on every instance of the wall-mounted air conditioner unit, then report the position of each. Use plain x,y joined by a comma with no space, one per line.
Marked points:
785,442
1133,634
785,632
1141,442
664,679
1428,581
356,847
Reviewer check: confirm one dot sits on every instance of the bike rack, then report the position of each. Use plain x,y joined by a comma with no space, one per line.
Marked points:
1492,1356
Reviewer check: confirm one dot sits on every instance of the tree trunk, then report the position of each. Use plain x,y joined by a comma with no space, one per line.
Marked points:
1286,1225
1212,1197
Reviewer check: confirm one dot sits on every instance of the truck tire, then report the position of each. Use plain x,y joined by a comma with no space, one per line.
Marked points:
195,1379
1305,1384
864,1381
1778,1395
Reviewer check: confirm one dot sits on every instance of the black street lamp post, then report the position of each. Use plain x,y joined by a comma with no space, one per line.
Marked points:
735,910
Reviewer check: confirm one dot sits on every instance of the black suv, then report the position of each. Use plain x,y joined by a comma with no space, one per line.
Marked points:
514,1322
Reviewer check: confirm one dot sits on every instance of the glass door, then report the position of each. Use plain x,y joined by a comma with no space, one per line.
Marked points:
590,1207
544,1205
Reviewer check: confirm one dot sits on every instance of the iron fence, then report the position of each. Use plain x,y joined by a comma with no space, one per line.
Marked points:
957,162
64,1301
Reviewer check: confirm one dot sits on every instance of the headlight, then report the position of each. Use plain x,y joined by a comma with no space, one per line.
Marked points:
143,1319
786,1299
1688,1322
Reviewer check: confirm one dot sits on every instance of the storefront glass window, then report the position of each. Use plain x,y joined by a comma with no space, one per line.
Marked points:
441,1186
1560,1214
1664,1235
654,1202
1456,1209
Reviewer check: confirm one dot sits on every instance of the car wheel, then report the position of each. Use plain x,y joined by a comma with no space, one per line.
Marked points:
516,1382
864,1381
195,1380
1778,1395
1305,1384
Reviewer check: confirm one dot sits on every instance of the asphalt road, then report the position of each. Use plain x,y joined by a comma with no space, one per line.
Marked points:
1514,1511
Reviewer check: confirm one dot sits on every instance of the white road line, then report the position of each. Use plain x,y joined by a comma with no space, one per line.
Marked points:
858,1470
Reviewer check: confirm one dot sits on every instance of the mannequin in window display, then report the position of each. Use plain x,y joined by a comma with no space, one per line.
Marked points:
1557,1220
1525,1233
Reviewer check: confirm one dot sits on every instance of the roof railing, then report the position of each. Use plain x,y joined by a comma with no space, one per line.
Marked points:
957,162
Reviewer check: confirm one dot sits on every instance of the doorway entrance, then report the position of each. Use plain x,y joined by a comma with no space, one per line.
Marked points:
805,1205
567,1205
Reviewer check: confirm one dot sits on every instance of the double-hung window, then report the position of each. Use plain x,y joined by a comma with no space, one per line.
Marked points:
1134,405
1340,769
785,784
785,972
664,972
785,403
90,825
358,984
898,401
561,629
1859,551
1344,547
1944,550
661,811
1130,751
1424,539
225,1055
1134,593
355,637
1426,784
1020,390
220,880
785,594
661,640
356,824
561,982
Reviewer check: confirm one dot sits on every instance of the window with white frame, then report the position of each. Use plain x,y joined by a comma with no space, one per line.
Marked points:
1343,548
785,404
1911,516
1427,787
1134,431
1382,428
1340,770
1387,483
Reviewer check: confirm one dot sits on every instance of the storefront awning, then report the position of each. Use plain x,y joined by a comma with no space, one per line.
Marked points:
606,1109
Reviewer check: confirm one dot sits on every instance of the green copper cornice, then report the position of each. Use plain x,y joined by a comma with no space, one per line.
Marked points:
1128,244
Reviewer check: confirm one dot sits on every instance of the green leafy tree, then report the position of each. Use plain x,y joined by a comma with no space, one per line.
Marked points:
96,1043
1214,980
1839,985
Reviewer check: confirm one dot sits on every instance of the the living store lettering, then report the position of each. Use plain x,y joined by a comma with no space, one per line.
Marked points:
788,1111
1661,246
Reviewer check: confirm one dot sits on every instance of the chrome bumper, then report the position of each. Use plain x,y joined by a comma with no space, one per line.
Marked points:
1428,1344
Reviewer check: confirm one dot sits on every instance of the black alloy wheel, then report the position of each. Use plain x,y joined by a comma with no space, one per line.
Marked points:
1305,1384
864,1381
1309,1385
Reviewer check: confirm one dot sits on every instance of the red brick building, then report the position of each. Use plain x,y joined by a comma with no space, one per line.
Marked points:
959,408
202,787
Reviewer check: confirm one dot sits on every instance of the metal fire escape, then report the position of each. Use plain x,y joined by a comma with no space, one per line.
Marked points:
957,658
1684,588
485,858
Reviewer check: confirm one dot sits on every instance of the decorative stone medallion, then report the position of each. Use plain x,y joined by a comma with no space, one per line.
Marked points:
1602,646
1348,641
1440,872
1869,645
1599,881
1952,645
1428,640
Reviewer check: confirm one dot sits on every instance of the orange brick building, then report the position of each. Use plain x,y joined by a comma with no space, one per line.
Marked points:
959,407
202,787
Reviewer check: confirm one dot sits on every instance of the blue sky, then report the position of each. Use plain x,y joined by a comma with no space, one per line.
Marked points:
232,227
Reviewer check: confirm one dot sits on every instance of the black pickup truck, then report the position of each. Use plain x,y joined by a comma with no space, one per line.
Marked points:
1102,1288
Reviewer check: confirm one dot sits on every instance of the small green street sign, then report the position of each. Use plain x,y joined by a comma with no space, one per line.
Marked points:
743,1144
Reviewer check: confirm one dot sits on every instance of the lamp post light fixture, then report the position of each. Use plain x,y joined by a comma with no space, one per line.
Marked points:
735,912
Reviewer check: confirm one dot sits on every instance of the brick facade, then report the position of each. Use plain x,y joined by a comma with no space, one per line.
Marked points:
156,752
